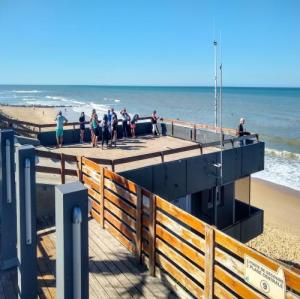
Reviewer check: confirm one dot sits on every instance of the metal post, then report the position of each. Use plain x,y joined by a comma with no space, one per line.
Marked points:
26,221
8,233
72,261
216,82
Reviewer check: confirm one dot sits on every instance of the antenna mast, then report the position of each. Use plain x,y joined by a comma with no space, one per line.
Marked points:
221,115
216,82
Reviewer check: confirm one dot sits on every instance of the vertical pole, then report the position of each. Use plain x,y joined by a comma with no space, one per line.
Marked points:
102,197
172,128
139,217
162,157
26,221
209,262
62,168
216,82
195,133
8,234
152,235
72,261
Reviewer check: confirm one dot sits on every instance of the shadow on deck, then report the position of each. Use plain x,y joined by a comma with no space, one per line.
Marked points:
113,271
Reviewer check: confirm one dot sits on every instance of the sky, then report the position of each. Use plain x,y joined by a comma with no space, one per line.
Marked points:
149,42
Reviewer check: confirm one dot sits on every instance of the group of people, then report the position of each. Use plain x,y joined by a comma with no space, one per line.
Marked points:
106,127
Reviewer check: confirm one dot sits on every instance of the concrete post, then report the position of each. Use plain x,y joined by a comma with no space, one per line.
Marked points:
26,221
72,260
8,234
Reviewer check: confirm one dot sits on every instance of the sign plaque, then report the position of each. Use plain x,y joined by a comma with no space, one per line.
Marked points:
269,282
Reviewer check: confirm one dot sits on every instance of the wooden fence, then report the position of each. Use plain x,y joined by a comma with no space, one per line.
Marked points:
192,257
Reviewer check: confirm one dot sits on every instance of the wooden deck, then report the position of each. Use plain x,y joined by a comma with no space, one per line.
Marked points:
114,271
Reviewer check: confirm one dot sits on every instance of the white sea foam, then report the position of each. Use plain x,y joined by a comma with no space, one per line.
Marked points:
26,91
117,101
281,167
282,154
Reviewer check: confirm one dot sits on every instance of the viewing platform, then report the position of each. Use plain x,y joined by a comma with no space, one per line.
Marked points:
153,218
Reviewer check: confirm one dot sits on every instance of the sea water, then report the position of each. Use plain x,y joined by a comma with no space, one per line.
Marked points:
273,113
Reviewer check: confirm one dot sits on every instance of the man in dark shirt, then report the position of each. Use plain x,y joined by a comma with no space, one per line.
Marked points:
241,132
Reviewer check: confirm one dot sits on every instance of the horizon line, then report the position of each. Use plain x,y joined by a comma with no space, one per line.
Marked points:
147,85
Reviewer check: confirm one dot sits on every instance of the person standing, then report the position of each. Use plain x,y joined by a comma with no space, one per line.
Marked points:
154,119
114,126
82,126
60,121
105,132
91,128
125,121
133,125
95,129
109,118
241,131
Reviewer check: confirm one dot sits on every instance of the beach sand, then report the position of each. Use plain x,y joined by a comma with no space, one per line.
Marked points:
37,115
281,237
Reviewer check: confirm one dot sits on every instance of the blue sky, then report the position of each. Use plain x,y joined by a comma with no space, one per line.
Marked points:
149,42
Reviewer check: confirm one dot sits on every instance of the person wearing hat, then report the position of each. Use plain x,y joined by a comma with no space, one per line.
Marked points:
60,121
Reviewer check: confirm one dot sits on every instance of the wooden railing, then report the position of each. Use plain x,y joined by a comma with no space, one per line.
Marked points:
35,128
192,257
62,158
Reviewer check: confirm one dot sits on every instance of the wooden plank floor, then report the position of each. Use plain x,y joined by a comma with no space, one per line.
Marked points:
114,271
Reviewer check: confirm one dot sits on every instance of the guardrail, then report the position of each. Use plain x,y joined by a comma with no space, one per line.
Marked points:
62,158
192,257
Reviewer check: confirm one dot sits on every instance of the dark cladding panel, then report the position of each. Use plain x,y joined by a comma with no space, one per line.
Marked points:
142,177
201,174
252,158
143,128
234,231
232,160
169,179
253,226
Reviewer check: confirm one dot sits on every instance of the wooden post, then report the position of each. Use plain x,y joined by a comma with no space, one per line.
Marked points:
79,167
62,168
162,157
113,165
195,132
102,197
201,149
209,262
152,235
138,223
172,123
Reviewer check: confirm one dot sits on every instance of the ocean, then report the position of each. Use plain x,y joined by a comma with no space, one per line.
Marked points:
273,113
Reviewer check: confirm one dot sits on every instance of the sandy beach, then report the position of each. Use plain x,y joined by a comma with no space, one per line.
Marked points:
281,237
38,115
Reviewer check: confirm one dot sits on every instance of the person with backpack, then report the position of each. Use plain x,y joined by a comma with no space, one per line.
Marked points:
133,125
105,130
